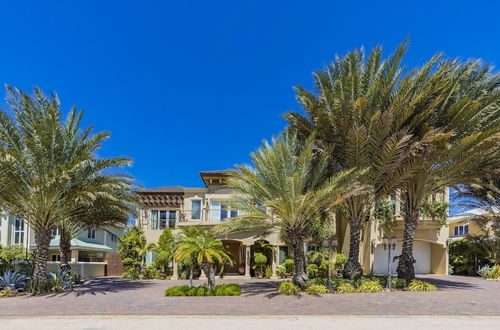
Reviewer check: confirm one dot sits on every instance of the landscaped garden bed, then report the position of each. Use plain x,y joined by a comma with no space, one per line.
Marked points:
203,291
365,284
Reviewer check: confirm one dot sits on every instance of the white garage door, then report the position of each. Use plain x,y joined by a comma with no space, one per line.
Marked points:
421,253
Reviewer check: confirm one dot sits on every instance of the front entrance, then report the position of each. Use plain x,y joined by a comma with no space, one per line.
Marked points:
235,249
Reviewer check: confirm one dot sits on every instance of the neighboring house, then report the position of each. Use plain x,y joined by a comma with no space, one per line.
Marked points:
176,206
90,250
461,224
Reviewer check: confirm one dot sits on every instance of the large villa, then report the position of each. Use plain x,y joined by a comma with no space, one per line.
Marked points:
176,206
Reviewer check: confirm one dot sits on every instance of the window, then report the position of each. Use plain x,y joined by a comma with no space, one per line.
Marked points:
461,230
154,219
56,257
160,219
196,209
220,212
114,238
19,231
55,232
91,234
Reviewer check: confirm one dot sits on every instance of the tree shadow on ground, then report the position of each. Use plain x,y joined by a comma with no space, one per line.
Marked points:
268,289
103,285
444,283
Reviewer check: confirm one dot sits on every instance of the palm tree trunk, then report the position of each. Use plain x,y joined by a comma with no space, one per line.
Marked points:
209,271
42,241
300,276
406,269
191,276
65,251
306,257
355,238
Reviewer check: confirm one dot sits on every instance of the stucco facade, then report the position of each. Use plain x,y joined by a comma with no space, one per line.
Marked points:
204,207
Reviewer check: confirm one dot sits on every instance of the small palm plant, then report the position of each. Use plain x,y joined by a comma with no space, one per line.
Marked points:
206,250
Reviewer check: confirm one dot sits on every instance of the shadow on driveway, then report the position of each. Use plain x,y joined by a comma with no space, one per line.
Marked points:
103,285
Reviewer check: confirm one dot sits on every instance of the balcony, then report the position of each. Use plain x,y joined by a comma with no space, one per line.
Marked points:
207,216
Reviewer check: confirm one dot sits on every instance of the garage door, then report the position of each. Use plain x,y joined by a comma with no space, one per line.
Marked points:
421,253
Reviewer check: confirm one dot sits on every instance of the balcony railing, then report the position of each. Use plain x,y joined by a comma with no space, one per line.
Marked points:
207,215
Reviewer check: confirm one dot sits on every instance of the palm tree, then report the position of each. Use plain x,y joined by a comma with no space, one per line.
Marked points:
286,190
111,210
458,140
206,249
165,249
39,156
187,232
358,115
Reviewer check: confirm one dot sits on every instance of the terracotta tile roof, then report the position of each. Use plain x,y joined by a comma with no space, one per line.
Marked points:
215,173
162,200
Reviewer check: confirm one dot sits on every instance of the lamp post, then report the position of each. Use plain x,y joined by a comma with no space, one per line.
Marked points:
329,243
389,243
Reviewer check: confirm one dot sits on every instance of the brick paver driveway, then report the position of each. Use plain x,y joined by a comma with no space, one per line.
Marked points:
115,296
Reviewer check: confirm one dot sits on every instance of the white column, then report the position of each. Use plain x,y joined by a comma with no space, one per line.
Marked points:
447,199
247,261
275,261
175,275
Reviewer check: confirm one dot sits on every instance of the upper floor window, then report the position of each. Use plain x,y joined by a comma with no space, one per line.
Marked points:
220,212
55,232
461,230
91,233
160,219
196,209
19,230
114,238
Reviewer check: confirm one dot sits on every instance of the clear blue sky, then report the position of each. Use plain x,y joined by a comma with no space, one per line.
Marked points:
186,86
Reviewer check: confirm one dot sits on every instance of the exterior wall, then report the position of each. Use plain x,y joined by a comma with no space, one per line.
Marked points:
474,228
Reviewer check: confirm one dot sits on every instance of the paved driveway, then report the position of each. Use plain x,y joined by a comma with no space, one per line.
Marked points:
115,296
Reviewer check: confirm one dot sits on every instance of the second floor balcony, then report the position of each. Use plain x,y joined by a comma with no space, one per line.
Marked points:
210,215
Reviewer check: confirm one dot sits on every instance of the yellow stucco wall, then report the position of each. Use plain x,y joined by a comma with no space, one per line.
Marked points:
474,229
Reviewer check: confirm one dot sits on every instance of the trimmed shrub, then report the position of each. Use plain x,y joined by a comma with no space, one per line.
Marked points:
203,291
289,265
317,289
281,272
228,290
345,288
288,288
417,285
370,287
312,270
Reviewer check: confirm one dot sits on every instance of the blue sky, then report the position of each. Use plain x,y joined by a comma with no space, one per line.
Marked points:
186,86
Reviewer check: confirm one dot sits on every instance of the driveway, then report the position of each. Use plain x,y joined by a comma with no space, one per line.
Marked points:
116,296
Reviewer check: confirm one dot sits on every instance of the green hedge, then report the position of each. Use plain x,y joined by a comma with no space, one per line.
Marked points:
203,291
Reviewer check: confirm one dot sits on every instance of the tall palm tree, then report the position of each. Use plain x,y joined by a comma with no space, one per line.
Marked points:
39,156
458,140
207,250
285,190
358,115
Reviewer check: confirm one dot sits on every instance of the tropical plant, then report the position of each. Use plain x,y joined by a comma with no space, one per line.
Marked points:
398,283
10,254
288,288
13,281
316,289
189,261
312,270
385,213
345,288
417,285
370,287
488,272
207,250
269,272
133,249
358,116
286,190
39,158
232,289
470,253
289,265
61,280
165,248
340,260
